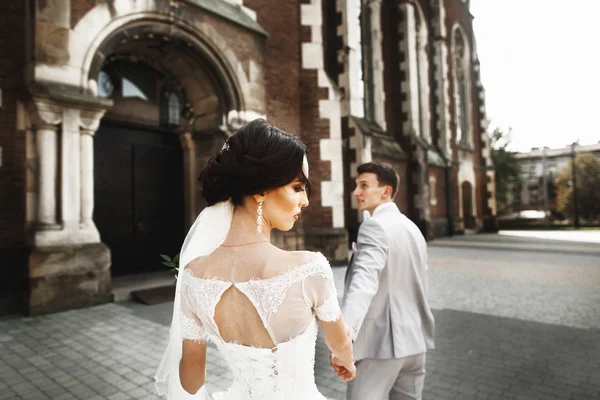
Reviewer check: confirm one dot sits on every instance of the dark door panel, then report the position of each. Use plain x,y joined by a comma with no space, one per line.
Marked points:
158,194
138,196
113,210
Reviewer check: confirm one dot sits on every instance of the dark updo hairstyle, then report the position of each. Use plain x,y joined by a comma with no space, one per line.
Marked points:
256,158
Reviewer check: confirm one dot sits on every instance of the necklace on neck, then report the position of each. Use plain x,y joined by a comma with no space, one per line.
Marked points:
244,244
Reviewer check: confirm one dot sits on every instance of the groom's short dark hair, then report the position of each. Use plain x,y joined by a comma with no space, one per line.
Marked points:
386,174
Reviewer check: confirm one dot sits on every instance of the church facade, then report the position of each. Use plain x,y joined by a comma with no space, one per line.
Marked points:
110,109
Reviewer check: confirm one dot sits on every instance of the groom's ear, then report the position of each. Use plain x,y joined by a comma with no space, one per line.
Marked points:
388,191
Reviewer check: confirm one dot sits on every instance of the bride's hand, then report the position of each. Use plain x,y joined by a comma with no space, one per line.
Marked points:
344,369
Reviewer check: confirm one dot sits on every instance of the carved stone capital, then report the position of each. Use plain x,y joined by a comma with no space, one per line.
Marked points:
45,113
373,3
89,120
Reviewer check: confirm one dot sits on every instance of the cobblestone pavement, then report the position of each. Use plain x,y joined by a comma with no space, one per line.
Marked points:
517,318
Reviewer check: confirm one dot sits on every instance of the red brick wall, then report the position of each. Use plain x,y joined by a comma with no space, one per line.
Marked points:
438,210
281,19
454,190
243,42
314,129
481,193
12,171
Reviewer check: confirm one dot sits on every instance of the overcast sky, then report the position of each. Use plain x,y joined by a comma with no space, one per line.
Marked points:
540,66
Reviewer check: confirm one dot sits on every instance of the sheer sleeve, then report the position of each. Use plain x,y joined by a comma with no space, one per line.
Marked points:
191,326
321,295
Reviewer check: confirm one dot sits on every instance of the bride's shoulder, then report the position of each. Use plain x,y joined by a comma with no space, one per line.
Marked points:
302,262
196,266
290,260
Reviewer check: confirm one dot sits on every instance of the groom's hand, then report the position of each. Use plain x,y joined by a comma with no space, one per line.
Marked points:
347,373
336,368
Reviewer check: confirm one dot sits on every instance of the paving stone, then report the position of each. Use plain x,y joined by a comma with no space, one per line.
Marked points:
508,324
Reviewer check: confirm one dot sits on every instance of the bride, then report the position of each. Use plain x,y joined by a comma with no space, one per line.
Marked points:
258,304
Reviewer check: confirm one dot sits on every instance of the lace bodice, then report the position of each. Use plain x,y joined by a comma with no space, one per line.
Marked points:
288,304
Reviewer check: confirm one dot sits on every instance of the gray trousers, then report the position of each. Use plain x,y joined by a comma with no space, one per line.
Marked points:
393,379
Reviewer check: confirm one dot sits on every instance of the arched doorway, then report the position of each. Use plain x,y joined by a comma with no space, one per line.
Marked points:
173,99
467,205
138,166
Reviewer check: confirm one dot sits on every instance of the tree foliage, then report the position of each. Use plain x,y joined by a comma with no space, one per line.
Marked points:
506,166
587,177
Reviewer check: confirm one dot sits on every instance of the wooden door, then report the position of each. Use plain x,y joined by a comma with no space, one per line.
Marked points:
138,196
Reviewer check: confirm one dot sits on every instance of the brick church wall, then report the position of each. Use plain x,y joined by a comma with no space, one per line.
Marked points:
281,60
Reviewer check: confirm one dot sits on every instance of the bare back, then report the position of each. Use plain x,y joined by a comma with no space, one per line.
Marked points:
259,295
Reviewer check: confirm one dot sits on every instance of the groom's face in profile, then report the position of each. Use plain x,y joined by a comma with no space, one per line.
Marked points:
369,193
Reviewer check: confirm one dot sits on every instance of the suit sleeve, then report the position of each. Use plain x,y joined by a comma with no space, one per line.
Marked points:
370,260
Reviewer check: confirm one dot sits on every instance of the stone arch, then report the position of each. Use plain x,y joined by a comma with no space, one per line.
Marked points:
192,51
107,18
462,87
210,90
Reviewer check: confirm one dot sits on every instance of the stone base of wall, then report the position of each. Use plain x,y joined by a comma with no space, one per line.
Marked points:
332,242
490,224
67,278
459,226
439,227
289,241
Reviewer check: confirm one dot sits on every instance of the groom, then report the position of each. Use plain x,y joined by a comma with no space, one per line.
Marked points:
385,300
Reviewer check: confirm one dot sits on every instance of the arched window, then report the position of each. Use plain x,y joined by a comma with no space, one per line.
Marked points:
462,98
122,78
422,73
172,109
146,95
106,85
432,190
413,38
330,39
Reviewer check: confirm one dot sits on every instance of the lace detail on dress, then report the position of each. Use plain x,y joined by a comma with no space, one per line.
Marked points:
207,292
192,330
268,294
330,310
285,371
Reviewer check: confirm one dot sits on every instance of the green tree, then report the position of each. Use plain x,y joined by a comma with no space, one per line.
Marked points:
506,166
587,177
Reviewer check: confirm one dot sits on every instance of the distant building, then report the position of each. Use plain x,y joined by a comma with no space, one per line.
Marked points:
530,195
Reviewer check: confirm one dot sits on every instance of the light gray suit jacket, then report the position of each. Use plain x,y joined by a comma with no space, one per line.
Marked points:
385,297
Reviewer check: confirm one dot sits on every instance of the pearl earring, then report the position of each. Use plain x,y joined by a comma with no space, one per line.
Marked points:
259,218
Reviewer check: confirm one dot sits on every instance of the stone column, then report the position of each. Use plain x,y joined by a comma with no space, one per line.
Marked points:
377,60
189,175
410,65
87,175
89,122
45,118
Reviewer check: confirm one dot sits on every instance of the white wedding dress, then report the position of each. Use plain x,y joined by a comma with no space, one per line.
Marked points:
289,305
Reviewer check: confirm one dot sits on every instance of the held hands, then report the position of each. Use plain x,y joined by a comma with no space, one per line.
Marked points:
345,370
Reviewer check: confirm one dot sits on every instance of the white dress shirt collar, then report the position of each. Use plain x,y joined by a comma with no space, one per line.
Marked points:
384,206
